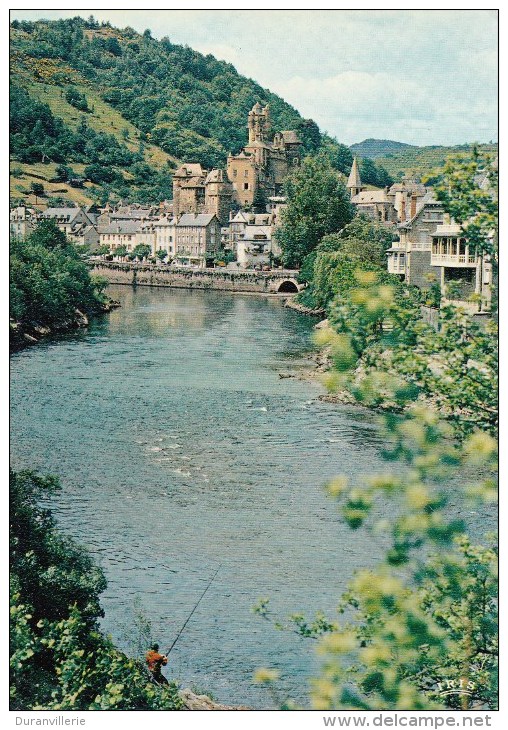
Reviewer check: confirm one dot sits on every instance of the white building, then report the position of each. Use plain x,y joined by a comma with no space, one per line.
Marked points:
465,276
120,233
164,235
22,221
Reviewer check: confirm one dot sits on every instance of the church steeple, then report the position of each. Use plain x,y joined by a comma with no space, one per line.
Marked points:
354,182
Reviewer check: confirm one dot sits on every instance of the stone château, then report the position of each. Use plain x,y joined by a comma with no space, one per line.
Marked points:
252,176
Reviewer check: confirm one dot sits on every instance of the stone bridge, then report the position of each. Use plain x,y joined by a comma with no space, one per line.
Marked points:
244,280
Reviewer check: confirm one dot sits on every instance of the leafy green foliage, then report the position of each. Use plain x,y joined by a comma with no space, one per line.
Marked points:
420,628
373,173
76,99
192,106
142,250
379,324
472,204
59,660
318,204
48,279
330,268
424,620
37,189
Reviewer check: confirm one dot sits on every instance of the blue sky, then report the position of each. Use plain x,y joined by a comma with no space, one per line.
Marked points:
422,77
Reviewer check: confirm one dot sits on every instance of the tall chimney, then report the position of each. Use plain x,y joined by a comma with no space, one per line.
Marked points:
403,209
413,205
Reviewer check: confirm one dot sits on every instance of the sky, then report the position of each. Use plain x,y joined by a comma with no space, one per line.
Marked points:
417,76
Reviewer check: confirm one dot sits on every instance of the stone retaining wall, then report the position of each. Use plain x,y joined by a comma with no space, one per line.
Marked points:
262,282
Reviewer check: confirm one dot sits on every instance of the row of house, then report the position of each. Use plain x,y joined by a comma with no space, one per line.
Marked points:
79,224
193,239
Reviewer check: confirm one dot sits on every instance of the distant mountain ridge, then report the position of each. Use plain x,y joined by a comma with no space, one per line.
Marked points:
374,148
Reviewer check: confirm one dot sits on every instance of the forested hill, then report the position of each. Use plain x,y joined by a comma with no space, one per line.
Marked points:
379,148
119,110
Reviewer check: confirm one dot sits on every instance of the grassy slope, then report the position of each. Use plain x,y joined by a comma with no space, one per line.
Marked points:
104,118
43,173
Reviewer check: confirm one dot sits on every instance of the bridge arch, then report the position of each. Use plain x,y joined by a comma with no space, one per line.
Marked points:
287,287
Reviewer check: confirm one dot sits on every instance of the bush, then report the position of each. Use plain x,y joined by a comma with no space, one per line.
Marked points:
59,660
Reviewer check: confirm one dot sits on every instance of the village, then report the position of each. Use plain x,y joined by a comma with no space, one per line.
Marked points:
253,375
229,218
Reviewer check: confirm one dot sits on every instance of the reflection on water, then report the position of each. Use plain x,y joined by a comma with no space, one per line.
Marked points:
181,450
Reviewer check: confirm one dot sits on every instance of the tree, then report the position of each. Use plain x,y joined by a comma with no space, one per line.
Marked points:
37,189
63,173
331,266
373,174
309,134
59,659
318,203
48,280
468,190
423,620
102,250
48,235
339,156
120,251
142,250
76,99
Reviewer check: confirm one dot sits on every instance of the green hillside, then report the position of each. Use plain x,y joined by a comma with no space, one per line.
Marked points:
424,161
375,148
120,110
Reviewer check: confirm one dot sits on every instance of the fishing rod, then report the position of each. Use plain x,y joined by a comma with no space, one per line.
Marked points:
193,610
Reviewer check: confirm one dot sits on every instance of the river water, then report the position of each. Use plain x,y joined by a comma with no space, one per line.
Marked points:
181,451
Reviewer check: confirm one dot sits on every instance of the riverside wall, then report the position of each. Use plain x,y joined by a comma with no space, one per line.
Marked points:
262,282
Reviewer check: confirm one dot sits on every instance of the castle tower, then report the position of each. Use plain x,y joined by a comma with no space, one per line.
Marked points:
354,182
258,123
188,189
218,195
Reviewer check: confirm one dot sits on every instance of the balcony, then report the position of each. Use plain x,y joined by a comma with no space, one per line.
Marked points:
453,260
451,250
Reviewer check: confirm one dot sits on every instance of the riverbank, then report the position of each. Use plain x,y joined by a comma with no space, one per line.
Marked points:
293,303
25,334
195,702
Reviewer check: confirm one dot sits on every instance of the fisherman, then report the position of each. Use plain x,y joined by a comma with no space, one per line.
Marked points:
155,662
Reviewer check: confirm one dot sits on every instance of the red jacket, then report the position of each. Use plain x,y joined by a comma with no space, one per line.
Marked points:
155,661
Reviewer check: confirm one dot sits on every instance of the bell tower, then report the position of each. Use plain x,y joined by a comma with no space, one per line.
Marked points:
259,123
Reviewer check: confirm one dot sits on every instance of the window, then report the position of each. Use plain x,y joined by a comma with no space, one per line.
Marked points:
246,173
235,172
246,186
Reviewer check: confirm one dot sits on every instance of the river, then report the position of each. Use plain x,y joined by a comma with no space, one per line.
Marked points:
181,451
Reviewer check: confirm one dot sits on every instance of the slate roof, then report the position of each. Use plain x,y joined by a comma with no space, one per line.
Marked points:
354,180
199,220
121,226
68,213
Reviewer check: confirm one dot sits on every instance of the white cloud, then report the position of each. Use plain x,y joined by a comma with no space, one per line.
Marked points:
421,76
